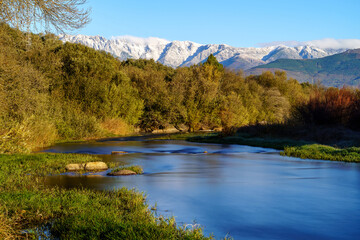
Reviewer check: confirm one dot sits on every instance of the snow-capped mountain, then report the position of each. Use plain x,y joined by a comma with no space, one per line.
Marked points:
186,53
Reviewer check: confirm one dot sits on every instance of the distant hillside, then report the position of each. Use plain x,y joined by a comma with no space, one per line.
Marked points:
336,70
185,53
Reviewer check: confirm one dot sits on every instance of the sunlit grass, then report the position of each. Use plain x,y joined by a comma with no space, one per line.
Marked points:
6,231
317,151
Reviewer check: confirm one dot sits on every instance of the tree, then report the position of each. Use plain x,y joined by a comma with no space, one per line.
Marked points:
214,62
57,14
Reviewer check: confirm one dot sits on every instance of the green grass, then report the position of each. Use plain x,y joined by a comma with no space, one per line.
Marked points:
242,139
278,138
239,138
317,151
25,203
134,168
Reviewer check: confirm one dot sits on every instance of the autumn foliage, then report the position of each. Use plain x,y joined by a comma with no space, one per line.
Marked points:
332,106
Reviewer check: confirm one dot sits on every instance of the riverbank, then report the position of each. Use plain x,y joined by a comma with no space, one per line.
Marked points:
218,187
324,143
239,138
28,209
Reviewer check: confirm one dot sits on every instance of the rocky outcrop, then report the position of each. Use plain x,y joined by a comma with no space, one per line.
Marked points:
118,152
75,167
90,166
95,166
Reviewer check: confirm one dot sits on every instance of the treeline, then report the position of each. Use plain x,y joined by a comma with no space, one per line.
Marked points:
207,96
53,91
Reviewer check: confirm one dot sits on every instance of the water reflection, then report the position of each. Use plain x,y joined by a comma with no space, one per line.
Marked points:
251,193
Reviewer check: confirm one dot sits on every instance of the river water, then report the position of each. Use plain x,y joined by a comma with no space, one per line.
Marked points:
232,190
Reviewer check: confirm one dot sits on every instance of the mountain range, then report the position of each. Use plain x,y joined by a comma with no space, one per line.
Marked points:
186,53
335,70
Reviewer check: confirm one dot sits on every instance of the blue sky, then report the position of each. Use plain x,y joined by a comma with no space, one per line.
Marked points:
239,23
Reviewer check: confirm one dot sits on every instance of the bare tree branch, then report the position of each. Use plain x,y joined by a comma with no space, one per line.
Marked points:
60,15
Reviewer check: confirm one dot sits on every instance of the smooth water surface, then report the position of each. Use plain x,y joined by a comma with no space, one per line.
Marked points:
233,190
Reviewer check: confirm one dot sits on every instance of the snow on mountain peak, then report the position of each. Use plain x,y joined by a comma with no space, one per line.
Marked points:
186,53
140,41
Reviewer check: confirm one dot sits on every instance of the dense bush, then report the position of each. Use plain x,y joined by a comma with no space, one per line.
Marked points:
207,96
331,106
51,91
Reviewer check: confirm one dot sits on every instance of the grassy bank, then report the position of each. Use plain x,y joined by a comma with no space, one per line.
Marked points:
239,138
243,139
324,143
25,203
317,151
137,169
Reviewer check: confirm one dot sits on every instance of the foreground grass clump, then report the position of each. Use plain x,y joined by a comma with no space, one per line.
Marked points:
317,151
135,168
6,232
25,203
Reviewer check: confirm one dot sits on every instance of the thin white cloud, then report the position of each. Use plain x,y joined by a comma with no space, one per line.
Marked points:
139,40
281,43
322,43
335,43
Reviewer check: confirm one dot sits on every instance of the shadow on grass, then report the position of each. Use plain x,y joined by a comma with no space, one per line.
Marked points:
314,142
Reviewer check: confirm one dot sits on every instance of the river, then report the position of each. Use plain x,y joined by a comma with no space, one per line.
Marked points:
232,190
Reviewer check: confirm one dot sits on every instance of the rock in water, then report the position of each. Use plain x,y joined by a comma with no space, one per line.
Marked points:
94,176
118,152
74,167
95,166
122,172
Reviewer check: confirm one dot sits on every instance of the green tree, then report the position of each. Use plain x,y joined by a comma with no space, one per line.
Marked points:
152,81
211,60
